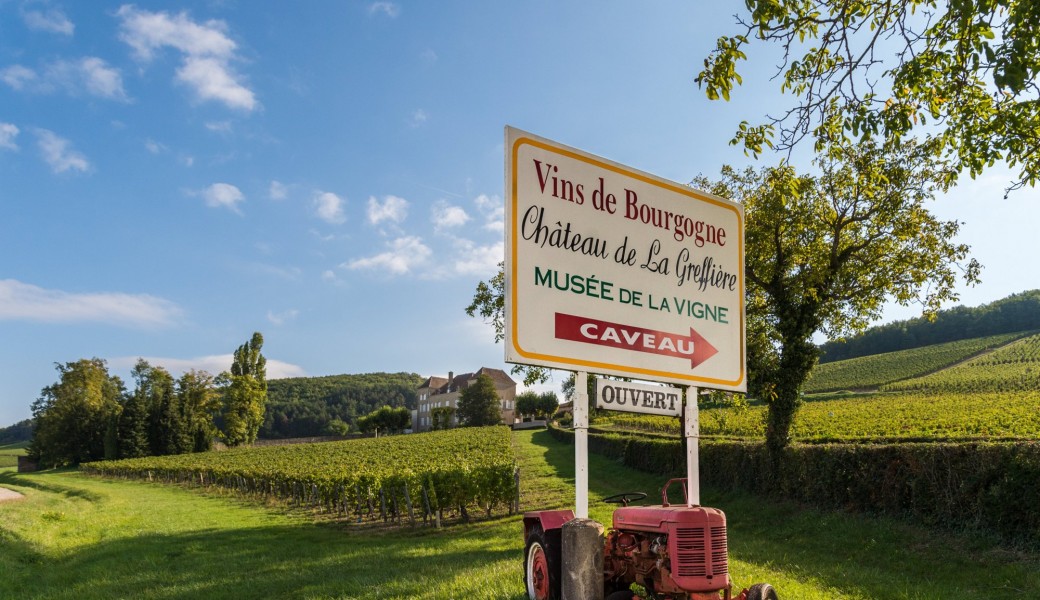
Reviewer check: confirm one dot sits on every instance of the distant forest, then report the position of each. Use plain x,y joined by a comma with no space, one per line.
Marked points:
1017,312
317,406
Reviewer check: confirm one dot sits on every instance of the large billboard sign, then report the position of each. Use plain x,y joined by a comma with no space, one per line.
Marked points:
616,271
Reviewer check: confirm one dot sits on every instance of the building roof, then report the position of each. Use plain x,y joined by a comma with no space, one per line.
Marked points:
433,382
461,382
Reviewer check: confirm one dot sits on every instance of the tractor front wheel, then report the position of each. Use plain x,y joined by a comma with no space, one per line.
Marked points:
542,565
761,591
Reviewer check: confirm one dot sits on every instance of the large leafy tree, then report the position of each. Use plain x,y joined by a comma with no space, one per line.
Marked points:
962,72
200,404
825,252
539,406
245,393
479,403
386,419
73,415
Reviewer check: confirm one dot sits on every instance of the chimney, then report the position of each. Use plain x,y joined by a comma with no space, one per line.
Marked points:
451,380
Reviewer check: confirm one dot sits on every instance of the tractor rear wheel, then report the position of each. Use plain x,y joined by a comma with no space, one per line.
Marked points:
542,565
761,591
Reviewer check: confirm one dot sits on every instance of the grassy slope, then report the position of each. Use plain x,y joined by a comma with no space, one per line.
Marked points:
9,453
871,372
77,537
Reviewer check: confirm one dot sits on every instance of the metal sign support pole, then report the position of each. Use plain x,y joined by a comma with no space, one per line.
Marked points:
692,433
581,445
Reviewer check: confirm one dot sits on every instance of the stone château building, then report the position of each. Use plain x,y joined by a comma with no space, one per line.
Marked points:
437,398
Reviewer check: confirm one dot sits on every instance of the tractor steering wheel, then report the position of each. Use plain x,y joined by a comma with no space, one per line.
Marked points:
625,497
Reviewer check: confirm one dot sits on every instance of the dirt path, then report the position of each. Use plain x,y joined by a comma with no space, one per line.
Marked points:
6,494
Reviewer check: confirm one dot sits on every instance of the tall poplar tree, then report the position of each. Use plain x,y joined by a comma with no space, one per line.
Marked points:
245,394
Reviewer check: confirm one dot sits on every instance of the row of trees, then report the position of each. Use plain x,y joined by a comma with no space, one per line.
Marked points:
1017,312
539,406
89,415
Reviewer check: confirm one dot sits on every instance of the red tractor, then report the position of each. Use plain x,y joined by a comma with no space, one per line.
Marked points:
675,552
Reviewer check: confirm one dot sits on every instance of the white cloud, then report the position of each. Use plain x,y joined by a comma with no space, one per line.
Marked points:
389,9
153,146
278,190
392,209
207,52
428,56
329,208
493,210
213,81
27,302
214,364
478,260
219,126
57,152
223,195
90,75
446,216
419,117
404,255
18,77
52,21
99,79
8,131
282,317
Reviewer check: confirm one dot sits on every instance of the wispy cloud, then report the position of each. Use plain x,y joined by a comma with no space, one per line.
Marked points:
206,48
404,255
51,21
223,195
447,216
281,318
8,131
493,210
58,153
153,146
26,302
329,208
219,126
214,364
391,209
419,118
478,260
389,9
278,190
88,75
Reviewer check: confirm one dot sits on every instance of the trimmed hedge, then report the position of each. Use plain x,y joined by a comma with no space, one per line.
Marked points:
989,486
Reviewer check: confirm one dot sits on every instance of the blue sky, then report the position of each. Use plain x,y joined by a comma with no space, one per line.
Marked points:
174,177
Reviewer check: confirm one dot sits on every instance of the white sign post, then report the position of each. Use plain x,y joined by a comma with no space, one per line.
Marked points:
616,271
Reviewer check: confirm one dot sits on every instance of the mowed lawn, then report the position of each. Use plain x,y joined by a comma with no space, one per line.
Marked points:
74,536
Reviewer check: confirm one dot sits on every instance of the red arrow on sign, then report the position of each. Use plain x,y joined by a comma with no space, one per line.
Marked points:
637,339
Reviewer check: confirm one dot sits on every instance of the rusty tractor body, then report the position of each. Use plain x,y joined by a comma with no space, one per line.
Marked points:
674,552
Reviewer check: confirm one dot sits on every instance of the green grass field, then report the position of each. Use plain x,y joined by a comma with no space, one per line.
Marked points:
80,537
9,454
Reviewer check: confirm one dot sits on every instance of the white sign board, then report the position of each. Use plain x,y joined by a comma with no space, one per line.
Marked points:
638,397
612,270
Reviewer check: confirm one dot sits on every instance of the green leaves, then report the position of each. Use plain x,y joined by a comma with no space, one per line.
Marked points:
861,69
